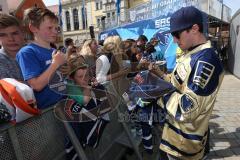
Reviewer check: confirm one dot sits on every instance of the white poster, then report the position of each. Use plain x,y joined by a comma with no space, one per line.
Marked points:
226,14
215,8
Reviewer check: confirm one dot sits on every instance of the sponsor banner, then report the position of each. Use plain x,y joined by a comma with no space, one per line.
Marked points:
154,27
215,8
167,7
140,12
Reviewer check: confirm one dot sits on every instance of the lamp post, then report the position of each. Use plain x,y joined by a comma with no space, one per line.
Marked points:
84,16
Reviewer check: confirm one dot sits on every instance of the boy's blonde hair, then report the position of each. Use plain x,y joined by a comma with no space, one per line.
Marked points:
35,16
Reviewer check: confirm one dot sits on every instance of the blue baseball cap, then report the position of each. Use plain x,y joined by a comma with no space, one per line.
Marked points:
185,17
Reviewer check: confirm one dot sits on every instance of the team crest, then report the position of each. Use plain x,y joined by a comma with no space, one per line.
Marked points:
203,73
187,103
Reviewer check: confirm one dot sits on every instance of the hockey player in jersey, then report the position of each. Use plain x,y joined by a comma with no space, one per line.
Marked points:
197,78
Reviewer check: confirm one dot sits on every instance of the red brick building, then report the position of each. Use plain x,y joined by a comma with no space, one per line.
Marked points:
17,7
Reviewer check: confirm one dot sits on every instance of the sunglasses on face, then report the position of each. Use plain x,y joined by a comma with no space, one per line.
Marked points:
177,34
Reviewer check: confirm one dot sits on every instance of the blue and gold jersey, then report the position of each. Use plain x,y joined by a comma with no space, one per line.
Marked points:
197,78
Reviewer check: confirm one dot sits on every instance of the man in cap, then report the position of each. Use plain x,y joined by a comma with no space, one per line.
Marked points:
197,78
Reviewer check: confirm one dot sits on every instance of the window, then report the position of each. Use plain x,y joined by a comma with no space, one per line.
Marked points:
113,15
75,19
98,22
84,18
97,7
100,7
108,15
77,42
68,21
1,8
237,29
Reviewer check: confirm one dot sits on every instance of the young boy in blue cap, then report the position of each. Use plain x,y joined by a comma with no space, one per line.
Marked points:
197,78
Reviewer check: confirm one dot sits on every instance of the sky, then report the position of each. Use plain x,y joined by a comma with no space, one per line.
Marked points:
233,4
50,2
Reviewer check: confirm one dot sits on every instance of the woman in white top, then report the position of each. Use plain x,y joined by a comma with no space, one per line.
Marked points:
110,60
109,66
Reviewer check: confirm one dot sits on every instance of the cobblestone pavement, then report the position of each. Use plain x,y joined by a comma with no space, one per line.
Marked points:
225,121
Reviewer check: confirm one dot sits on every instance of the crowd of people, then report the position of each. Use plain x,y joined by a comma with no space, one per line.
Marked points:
196,78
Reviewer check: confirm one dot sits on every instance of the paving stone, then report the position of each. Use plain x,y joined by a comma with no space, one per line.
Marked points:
211,154
222,143
217,149
231,129
231,135
231,124
214,158
238,141
219,136
238,129
236,151
232,158
233,143
237,134
225,153
218,130
225,121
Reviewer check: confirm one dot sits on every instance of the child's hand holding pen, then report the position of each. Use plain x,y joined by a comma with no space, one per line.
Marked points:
58,58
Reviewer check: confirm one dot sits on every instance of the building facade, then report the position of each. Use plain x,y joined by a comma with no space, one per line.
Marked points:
4,6
233,56
17,7
79,15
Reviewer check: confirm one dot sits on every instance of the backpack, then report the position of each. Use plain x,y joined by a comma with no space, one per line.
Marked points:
18,99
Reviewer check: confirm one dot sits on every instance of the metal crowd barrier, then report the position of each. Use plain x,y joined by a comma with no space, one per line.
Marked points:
37,138
42,138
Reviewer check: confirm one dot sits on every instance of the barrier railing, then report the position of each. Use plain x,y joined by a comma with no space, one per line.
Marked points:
39,138
42,138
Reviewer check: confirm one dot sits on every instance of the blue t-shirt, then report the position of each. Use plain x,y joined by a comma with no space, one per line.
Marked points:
33,61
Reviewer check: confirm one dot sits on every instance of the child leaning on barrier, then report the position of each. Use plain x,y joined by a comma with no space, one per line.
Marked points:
84,111
143,108
37,64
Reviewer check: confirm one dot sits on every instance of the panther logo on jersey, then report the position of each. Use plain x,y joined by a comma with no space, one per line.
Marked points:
203,73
